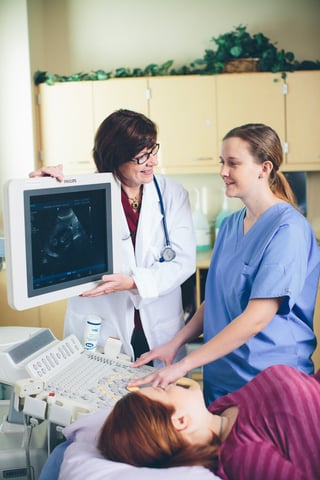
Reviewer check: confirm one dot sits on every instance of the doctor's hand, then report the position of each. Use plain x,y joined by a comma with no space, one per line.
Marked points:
115,282
54,171
161,378
166,353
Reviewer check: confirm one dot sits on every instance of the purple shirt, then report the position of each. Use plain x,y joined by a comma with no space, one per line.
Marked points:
277,432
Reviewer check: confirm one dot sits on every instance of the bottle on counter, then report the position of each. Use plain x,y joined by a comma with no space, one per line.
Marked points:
201,225
91,332
223,213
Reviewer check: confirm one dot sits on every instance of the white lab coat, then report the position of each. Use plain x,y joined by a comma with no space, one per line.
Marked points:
158,293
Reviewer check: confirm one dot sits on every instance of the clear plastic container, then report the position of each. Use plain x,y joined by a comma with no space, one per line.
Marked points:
224,212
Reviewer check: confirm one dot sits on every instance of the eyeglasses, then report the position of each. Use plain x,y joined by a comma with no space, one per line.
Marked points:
145,156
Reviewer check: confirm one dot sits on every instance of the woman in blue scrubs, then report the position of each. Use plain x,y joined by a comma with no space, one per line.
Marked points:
262,282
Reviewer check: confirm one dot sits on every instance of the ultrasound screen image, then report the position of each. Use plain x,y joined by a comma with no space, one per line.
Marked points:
69,239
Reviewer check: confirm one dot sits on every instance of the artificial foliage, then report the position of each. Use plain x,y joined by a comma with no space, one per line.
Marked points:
236,44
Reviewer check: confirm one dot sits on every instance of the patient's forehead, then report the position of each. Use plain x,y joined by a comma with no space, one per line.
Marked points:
174,394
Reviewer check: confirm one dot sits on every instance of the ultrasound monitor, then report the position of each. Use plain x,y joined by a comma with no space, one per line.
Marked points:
61,237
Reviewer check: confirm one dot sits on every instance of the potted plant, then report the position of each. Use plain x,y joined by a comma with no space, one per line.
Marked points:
238,51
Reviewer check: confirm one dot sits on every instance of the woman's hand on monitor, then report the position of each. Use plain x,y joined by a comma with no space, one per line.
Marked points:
55,171
115,282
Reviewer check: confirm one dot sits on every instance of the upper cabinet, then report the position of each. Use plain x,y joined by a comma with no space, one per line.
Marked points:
184,109
290,106
110,95
303,106
192,112
70,113
250,98
66,126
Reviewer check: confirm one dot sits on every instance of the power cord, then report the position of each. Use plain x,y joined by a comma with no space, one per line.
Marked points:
29,424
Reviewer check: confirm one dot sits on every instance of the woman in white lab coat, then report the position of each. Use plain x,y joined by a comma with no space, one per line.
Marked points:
142,304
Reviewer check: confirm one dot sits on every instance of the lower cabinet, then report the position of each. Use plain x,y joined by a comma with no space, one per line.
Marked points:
316,325
46,316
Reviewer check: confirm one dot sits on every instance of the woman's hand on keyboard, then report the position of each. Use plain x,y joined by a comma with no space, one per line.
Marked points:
163,377
166,353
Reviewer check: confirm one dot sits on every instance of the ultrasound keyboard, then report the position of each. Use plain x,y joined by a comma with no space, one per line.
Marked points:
63,377
95,379
61,381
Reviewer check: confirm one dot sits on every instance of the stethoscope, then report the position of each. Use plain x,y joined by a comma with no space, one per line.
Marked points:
167,253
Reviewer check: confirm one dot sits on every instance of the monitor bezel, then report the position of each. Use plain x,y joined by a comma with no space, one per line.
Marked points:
16,236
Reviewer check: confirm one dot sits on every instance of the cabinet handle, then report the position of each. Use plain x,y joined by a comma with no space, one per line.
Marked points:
201,159
78,162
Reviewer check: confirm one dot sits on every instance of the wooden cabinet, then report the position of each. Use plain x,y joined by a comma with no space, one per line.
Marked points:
250,98
192,112
46,316
290,106
184,109
110,95
70,113
316,326
302,117
66,126
202,267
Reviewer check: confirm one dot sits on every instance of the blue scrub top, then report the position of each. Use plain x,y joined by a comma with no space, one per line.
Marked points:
277,257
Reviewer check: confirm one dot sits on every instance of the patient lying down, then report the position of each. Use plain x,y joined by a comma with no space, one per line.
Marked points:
266,430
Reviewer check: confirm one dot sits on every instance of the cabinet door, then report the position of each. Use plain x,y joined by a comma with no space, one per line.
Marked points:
303,106
66,126
110,95
52,316
316,326
9,316
183,108
250,98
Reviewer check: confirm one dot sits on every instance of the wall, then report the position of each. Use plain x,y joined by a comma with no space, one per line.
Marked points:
16,124
68,36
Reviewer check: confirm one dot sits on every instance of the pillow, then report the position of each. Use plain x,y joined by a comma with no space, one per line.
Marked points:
83,461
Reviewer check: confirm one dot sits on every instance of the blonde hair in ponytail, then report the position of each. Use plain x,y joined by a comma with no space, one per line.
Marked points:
265,145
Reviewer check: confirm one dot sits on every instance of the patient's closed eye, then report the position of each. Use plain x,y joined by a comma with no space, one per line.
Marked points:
187,383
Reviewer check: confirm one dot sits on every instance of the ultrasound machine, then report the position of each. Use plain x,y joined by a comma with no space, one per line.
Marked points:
59,240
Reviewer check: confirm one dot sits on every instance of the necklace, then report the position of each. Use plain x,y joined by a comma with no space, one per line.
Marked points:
135,204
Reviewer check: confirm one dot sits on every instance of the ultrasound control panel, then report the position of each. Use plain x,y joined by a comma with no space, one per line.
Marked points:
94,379
60,379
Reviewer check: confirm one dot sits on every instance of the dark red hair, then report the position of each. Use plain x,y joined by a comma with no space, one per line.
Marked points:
139,431
120,137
